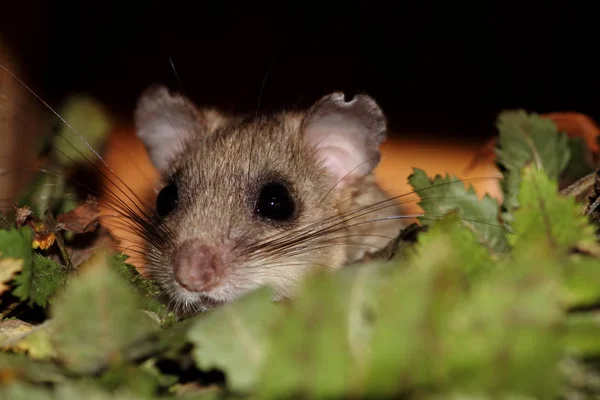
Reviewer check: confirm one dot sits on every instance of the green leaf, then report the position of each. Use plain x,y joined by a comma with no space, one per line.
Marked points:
442,195
89,126
583,334
16,243
46,192
581,281
511,324
234,337
546,216
527,139
320,347
580,163
25,369
97,317
65,391
38,282
413,303
438,331
142,380
475,259
147,289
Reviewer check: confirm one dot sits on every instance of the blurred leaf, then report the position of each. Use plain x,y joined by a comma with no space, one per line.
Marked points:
475,259
583,334
142,380
97,317
66,391
16,243
46,192
18,367
437,331
19,336
234,337
9,267
89,126
442,195
581,281
527,139
321,346
580,162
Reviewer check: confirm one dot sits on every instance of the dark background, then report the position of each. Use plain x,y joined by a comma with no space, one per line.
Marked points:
435,67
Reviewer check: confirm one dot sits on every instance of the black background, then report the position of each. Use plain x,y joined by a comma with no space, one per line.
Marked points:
435,67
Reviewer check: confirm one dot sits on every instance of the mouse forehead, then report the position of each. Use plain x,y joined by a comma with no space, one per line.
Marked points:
234,161
247,148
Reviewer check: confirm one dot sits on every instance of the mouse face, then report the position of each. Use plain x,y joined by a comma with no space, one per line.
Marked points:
254,202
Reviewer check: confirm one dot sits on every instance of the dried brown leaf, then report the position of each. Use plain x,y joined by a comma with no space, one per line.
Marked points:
82,219
22,214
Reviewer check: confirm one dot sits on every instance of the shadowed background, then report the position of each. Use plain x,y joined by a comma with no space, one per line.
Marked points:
441,71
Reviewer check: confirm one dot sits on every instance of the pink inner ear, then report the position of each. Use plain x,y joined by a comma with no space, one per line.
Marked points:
336,161
342,150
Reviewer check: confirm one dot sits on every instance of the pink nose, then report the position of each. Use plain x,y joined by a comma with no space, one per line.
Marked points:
196,266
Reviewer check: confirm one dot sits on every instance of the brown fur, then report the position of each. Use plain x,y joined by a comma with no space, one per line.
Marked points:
219,170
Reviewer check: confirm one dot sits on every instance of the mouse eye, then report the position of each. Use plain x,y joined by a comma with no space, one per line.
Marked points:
167,200
275,202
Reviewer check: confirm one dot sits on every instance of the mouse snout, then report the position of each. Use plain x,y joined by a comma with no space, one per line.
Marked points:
196,266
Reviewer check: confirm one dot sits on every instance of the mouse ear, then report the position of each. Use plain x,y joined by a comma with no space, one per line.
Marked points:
346,134
165,120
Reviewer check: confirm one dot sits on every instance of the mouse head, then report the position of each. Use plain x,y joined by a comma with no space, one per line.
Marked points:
252,202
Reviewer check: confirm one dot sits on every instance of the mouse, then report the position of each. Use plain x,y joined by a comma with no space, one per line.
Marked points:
260,200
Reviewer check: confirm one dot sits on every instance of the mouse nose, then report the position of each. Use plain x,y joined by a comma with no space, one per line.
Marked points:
196,266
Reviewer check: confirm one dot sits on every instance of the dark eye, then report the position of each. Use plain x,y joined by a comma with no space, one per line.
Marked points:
166,201
275,202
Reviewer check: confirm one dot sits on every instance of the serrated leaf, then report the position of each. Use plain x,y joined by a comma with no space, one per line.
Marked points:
527,139
475,259
40,281
234,337
442,195
97,317
546,216
146,288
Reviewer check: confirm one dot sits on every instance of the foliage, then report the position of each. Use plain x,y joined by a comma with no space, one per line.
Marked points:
494,301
